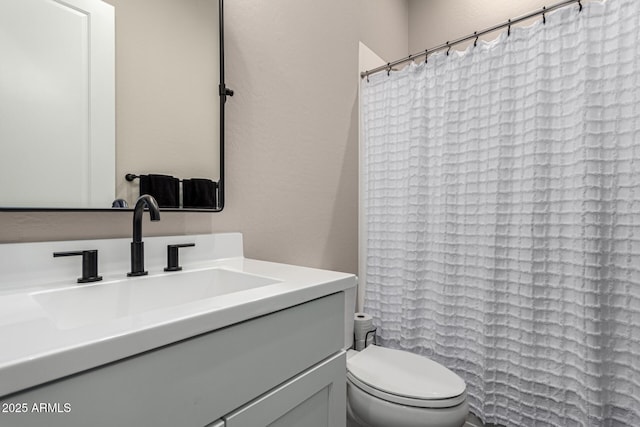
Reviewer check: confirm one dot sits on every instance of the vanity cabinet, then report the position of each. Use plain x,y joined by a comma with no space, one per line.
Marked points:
282,369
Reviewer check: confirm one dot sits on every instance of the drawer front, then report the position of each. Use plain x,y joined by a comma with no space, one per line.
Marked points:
193,382
315,398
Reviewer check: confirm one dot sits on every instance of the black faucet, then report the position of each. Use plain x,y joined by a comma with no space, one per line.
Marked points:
137,246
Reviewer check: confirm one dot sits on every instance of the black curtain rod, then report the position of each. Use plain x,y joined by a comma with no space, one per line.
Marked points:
475,35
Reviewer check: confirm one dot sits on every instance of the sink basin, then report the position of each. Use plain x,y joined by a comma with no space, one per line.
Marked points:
82,305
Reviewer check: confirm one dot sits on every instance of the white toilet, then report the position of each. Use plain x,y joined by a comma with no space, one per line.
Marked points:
394,388
387,387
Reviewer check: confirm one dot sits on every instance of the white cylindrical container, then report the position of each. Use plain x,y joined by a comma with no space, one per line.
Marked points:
362,325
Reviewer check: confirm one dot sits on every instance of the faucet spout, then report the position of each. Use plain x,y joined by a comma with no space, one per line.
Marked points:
154,212
137,246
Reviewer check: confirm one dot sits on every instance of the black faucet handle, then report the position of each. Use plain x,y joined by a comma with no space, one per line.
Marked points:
89,264
172,256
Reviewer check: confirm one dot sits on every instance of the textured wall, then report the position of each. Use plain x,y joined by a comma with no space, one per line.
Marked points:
433,22
384,27
291,135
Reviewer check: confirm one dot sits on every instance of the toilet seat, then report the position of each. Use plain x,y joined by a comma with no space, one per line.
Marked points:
405,378
407,401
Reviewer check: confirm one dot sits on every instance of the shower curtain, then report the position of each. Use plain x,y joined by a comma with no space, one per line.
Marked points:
502,206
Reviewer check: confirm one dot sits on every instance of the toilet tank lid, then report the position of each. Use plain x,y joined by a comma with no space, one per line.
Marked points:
404,374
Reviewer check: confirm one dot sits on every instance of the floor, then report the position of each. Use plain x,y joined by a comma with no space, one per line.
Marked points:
473,421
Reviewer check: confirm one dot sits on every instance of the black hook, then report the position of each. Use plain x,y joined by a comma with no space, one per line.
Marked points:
448,49
388,68
426,56
475,43
509,29
580,6
544,18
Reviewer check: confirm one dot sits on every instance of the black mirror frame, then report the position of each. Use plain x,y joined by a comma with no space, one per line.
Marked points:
223,92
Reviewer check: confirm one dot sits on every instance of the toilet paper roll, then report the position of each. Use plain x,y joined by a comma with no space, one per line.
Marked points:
362,323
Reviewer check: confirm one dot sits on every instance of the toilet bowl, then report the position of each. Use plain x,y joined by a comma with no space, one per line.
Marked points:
387,387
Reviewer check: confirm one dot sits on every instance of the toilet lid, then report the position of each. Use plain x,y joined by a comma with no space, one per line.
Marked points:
404,374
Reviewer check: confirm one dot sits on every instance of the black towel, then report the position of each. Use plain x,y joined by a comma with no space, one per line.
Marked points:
164,188
199,193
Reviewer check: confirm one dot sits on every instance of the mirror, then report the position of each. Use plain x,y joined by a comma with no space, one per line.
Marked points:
73,126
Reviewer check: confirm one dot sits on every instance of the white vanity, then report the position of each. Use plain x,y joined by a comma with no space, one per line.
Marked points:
227,341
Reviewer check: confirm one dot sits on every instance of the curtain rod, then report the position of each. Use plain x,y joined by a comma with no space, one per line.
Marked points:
475,35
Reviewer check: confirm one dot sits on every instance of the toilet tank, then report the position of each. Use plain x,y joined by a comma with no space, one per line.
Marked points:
349,311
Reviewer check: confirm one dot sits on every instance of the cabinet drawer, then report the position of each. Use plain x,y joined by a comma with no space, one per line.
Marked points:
195,381
315,398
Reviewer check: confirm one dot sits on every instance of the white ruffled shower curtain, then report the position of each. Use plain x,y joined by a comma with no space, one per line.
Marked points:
502,206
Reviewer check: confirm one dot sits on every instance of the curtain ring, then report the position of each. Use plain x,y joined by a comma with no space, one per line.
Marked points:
509,29
475,43
448,49
544,18
426,56
388,68
367,74
579,6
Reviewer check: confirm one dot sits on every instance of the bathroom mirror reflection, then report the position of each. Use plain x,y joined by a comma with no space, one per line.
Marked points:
74,124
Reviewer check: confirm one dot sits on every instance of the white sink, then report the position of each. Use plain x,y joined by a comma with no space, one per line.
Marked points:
89,304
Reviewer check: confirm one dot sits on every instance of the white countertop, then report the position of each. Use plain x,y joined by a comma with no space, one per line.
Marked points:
36,350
